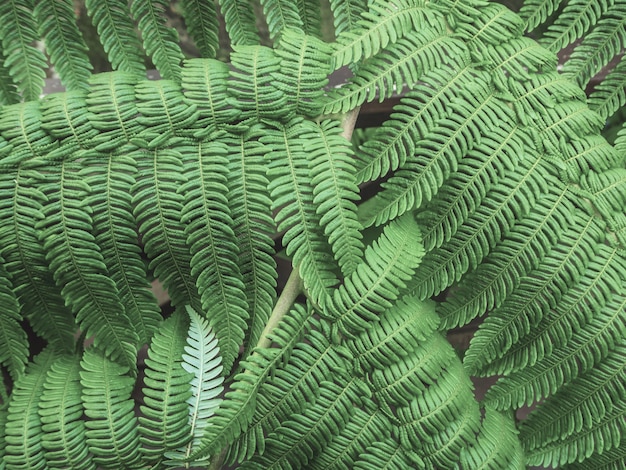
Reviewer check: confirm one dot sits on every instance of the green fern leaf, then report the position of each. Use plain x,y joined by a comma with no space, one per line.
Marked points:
204,83
25,261
598,47
159,40
292,196
203,362
400,64
382,24
536,12
213,245
495,23
387,454
13,341
116,235
582,411
26,63
22,432
497,445
112,436
612,459
334,189
61,412
116,32
8,88
377,282
64,43
78,266
157,206
311,16
590,152
250,205
346,14
280,15
610,94
239,19
163,425
202,24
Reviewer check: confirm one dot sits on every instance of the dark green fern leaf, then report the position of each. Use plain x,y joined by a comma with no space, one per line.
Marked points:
213,245
239,20
26,63
612,459
610,94
64,42
390,263
163,425
23,431
280,15
346,14
536,12
8,89
116,32
112,436
13,341
114,225
79,268
61,412
387,454
310,13
202,24
159,40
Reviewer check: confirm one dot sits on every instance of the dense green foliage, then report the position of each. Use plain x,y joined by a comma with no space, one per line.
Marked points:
495,195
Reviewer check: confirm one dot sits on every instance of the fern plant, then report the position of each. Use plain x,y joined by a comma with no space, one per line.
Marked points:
495,195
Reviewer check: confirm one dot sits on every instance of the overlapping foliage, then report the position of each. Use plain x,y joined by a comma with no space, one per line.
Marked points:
495,195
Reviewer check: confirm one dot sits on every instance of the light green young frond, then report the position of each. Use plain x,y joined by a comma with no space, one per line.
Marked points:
26,63
599,47
538,292
203,361
112,436
347,13
64,43
13,341
609,95
22,431
401,64
536,12
497,446
61,413
382,24
239,20
157,206
79,268
389,265
584,417
202,23
116,33
164,423
159,40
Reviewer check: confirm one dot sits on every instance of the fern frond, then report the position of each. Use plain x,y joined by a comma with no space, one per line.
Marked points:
292,196
61,412
114,225
608,189
387,454
541,290
64,43
610,94
26,63
204,83
79,268
497,445
346,14
203,362
112,435
400,64
164,424
395,336
202,24
116,33
252,89
13,341
8,88
281,15
514,257
157,206
495,25
239,20
310,13
213,245
253,226
612,459
159,41
25,261
536,12
578,17
383,23
303,73
418,112
389,264
599,47
583,411
23,432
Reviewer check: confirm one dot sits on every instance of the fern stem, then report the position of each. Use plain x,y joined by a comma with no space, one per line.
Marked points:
348,122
